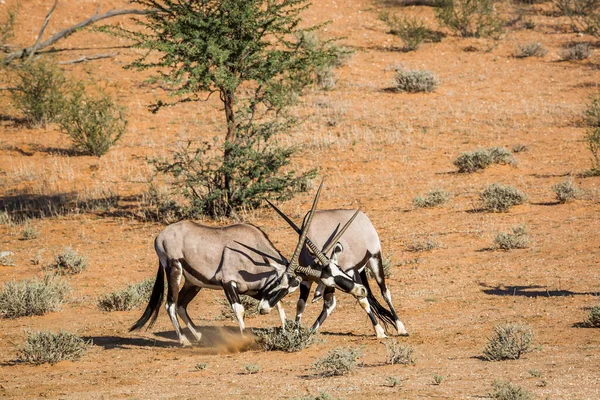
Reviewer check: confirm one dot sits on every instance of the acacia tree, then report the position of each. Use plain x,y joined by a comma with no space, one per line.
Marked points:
251,53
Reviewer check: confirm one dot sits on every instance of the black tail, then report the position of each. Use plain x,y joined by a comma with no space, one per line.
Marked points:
382,313
156,299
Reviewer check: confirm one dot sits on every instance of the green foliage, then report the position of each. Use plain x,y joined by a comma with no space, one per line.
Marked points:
412,31
482,158
38,93
593,318
294,338
577,51
339,361
437,379
584,14
592,138
252,54
414,81
398,353
251,369
393,381
49,347
499,198
470,18
565,191
128,298
94,124
517,239
7,28
434,198
29,233
201,366
32,297
509,391
509,342
68,262
591,115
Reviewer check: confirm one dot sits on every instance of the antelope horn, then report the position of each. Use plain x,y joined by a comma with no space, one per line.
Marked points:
337,237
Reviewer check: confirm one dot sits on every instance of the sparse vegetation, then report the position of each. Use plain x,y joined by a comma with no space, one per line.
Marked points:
393,381
532,49
339,361
49,347
33,296
499,198
68,262
250,369
434,198
398,353
94,124
414,80
584,14
517,239
591,115
509,391
508,342
294,338
565,191
128,298
437,379
593,142
320,396
427,244
412,31
470,18
6,259
480,159
29,233
201,366
593,319
578,51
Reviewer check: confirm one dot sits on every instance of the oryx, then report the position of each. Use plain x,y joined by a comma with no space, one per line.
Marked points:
239,259
353,251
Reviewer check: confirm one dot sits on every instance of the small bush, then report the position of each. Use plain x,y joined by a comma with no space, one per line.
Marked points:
480,159
591,115
470,18
320,396
593,142
434,198
579,51
32,297
6,259
29,233
250,369
414,81
533,49
509,342
68,262
127,299
517,239
417,246
94,124
39,91
48,347
393,381
437,379
594,317
499,198
565,191
508,391
413,32
294,338
339,361
398,353
201,366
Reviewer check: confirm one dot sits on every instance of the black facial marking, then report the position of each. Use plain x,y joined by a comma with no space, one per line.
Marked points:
276,296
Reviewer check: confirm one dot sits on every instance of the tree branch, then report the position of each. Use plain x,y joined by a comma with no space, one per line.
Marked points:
69,31
89,58
44,25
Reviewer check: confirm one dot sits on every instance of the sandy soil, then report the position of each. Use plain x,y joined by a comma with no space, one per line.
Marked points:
378,151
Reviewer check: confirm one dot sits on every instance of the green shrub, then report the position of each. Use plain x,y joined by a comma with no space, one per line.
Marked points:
470,18
39,91
393,381
508,391
565,191
7,28
479,159
437,379
499,198
29,233
68,262
578,51
533,49
127,299
434,198
339,361
48,347
594,317
398,353
517,239
509,342
593,142
250,369
94,124
414,81
294,338
32,297
591,115
412,31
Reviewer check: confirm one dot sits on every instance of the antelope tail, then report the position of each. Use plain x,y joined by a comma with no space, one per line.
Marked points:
382,313
156,299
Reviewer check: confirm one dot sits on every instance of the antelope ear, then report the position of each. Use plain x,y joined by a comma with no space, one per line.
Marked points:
337,250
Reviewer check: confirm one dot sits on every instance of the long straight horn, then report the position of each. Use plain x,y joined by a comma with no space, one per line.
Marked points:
294,260
337,237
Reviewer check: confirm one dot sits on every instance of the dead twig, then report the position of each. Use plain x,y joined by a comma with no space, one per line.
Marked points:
43,28
88,58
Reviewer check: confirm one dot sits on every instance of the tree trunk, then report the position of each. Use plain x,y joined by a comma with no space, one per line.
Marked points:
228,101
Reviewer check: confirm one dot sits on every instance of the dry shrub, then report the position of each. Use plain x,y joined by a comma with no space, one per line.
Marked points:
479,159
6,259
294,338
320,396
578,51
128,298
417,246
434,198
393,381
251,369
565,191
533,49
49,347
398,353
499,198
517,239
339,361
593,319
412,31
414,81
32,297
508,391
509,342
591,115
68,262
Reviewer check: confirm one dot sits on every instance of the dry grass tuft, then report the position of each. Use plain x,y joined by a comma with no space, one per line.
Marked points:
339,361
294,338
68,262
508,391
49,347
32,297
128,298
509,342
398,353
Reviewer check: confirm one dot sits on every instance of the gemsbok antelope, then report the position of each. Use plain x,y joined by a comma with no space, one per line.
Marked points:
353,251
239,259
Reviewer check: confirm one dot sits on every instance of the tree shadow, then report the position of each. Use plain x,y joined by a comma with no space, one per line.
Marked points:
529,291
118,342
13,121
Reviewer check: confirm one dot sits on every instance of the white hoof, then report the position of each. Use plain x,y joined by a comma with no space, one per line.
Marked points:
380,332
401,329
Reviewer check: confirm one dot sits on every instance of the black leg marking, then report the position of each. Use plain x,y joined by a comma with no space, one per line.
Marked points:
328,306
301,305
